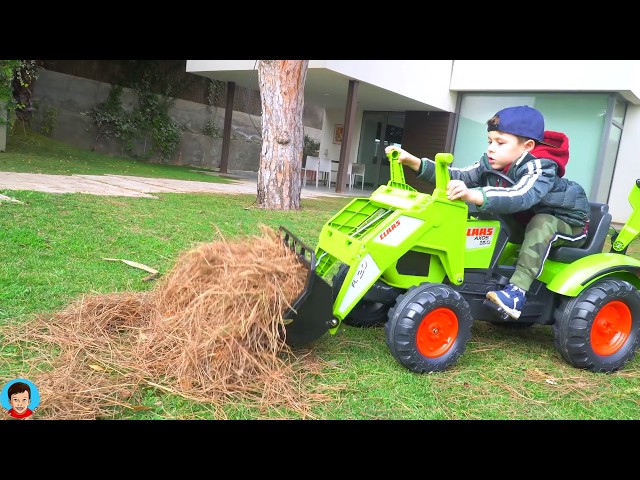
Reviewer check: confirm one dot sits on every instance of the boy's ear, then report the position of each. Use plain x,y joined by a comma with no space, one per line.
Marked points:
529,144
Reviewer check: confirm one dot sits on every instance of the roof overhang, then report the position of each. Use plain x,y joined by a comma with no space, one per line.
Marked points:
328,89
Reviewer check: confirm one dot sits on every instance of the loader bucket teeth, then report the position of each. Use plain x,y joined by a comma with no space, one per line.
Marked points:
311,315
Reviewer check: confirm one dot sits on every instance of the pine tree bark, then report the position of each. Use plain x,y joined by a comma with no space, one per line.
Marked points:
282,98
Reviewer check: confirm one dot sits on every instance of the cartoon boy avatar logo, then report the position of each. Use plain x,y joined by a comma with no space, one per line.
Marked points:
20,398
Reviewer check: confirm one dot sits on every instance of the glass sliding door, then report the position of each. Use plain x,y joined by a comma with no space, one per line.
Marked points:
369,148
379,129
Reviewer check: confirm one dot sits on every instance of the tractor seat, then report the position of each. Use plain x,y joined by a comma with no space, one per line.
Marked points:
599,222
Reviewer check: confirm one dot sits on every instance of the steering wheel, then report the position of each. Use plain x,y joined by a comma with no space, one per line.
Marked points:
485,178
514,229
486,175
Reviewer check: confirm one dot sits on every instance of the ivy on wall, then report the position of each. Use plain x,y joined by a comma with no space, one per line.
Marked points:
149,122
16,87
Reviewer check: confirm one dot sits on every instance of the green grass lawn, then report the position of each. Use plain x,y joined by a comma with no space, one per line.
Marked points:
52,250
29,152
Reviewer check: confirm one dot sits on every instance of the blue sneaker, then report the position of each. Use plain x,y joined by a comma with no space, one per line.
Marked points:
511,299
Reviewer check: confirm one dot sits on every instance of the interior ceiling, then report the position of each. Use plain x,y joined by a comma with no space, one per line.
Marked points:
328,89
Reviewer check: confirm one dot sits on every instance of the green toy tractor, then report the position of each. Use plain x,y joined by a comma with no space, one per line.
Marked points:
421,265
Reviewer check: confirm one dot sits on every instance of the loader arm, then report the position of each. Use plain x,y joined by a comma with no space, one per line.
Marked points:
621,240
371,235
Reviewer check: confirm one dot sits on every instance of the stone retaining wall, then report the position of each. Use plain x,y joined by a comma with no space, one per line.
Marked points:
72,97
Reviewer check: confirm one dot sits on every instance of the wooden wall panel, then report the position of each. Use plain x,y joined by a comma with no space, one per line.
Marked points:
426,134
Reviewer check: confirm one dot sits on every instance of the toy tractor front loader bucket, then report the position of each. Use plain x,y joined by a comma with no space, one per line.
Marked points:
311,314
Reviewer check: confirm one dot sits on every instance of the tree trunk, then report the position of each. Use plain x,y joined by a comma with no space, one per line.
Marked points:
282,98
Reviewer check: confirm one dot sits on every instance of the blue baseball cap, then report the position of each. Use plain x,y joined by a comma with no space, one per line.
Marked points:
523,121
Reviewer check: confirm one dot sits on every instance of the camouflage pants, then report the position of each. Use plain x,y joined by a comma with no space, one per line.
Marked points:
543,232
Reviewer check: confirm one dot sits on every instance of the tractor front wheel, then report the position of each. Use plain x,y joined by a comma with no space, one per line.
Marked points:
428,328
599,329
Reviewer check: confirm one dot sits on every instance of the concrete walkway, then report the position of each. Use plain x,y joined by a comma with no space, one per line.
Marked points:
130,186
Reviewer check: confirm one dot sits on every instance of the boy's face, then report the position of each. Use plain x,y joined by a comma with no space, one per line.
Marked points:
504,149
19,401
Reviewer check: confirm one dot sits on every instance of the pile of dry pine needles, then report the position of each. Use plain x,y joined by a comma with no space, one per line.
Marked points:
209,332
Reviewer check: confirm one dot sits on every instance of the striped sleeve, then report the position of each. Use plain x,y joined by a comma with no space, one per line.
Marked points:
534,184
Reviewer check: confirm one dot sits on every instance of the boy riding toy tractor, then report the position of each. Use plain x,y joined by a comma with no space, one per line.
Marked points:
422,265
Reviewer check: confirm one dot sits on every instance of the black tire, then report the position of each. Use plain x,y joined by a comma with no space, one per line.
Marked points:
428,328
364,314
599,330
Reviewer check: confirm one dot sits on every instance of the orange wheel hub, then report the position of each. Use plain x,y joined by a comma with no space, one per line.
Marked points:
437,332
611,328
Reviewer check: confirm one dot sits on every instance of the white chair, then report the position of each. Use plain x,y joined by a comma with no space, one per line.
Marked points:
357,169
311,165
324,168
335,167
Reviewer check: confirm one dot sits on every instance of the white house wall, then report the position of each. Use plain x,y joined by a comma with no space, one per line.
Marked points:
435,82
331,150
220,65
424,80
548,75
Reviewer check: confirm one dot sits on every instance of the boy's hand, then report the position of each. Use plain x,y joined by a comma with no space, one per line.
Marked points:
456,189
405,158
391,148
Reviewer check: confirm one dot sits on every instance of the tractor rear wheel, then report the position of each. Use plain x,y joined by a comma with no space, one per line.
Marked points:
429,327
364,314
599,330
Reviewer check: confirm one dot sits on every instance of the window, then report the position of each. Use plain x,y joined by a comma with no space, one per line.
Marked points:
582,117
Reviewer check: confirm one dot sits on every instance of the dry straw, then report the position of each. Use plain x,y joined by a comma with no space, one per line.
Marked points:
210,331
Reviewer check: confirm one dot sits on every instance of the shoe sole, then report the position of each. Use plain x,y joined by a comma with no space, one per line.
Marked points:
515,314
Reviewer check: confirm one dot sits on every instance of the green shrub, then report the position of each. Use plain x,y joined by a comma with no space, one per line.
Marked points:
311,146
49,120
